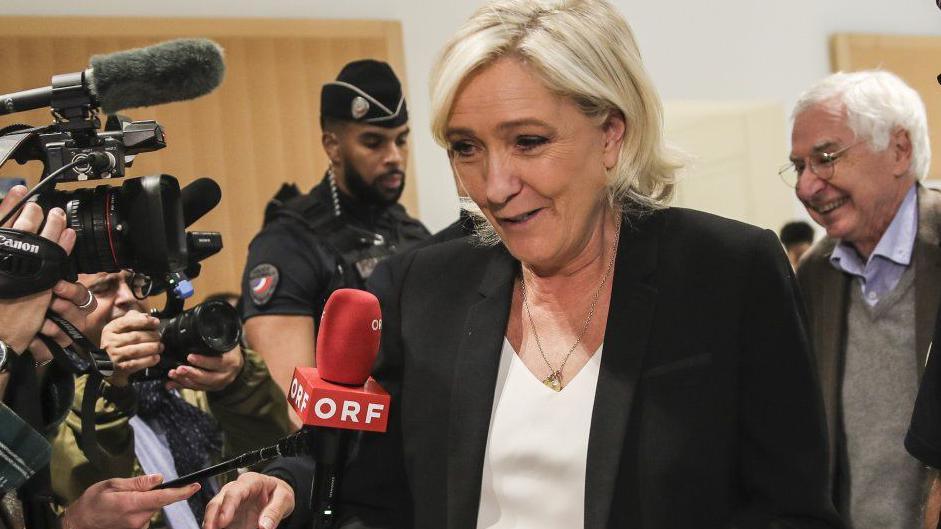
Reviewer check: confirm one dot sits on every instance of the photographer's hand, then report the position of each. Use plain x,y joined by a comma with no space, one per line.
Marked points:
133,343
21,318
71,301
208,373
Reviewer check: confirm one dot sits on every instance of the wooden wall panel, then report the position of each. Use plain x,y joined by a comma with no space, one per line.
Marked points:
733,152
257,130
913,58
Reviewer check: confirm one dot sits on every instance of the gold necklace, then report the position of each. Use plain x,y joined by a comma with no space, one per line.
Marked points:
554,380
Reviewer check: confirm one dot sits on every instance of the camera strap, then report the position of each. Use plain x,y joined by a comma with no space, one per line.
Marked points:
30,263
97,365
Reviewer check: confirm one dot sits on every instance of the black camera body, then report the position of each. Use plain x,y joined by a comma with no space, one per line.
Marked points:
137,226
210,328
120,140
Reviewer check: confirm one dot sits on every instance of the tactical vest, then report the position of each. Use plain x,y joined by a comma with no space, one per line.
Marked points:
356,250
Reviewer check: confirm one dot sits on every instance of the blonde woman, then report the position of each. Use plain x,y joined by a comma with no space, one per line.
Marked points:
595,359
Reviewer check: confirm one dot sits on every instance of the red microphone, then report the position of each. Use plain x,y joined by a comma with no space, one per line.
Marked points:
336,397
339,393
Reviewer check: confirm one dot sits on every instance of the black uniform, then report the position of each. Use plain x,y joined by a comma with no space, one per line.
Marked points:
306,251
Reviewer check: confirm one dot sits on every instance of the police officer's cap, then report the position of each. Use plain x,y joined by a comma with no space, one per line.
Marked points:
366,91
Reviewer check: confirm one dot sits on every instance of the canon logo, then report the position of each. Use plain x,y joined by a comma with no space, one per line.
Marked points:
18,245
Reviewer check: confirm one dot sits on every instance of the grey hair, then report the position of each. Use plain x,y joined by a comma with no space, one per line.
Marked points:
876,103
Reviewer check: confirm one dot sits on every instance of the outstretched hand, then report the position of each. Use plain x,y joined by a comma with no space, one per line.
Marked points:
253,501
122,503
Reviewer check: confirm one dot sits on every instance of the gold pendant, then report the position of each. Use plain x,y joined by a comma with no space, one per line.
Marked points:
553,381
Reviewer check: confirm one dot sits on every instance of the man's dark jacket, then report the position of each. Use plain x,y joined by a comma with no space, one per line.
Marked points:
825,291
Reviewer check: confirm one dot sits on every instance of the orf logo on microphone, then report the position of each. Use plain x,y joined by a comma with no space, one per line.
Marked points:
321,403
327,409
298,397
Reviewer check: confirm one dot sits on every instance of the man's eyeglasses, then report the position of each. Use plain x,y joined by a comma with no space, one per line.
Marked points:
140,284
822,164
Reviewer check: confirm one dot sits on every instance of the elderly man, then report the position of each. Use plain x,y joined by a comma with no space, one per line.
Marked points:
859,148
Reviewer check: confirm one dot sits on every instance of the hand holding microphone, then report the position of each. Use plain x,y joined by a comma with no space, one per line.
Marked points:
122,503
336,397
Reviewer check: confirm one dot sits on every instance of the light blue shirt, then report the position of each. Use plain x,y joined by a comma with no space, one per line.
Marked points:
893,254
150,447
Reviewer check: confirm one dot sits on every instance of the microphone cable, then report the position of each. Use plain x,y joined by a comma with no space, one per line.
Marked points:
79,160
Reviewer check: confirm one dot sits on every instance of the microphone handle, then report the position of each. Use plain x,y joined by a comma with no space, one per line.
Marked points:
291,445
331,456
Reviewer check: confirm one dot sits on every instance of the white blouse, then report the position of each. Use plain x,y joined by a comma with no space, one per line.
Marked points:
537,448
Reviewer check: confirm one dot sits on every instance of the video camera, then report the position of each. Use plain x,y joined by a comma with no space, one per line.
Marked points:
140,225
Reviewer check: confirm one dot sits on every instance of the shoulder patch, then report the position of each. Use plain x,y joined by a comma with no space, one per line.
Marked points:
262,282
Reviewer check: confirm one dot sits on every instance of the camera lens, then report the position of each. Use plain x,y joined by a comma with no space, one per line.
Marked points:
219,325
210,328
96,216
137,226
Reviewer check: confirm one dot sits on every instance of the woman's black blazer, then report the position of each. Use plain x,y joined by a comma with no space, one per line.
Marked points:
707,413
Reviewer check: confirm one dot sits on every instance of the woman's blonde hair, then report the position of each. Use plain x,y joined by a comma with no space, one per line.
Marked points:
583,50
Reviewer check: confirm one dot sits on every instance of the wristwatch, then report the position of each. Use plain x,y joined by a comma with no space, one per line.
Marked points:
6,355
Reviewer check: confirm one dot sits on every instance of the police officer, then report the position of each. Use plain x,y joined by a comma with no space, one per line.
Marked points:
335,235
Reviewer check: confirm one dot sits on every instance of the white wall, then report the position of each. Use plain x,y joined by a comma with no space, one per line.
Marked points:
725,49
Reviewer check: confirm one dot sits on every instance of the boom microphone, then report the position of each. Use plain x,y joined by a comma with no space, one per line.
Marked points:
175,70
293,445
198,198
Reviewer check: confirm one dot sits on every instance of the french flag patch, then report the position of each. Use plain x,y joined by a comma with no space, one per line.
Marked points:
262,282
